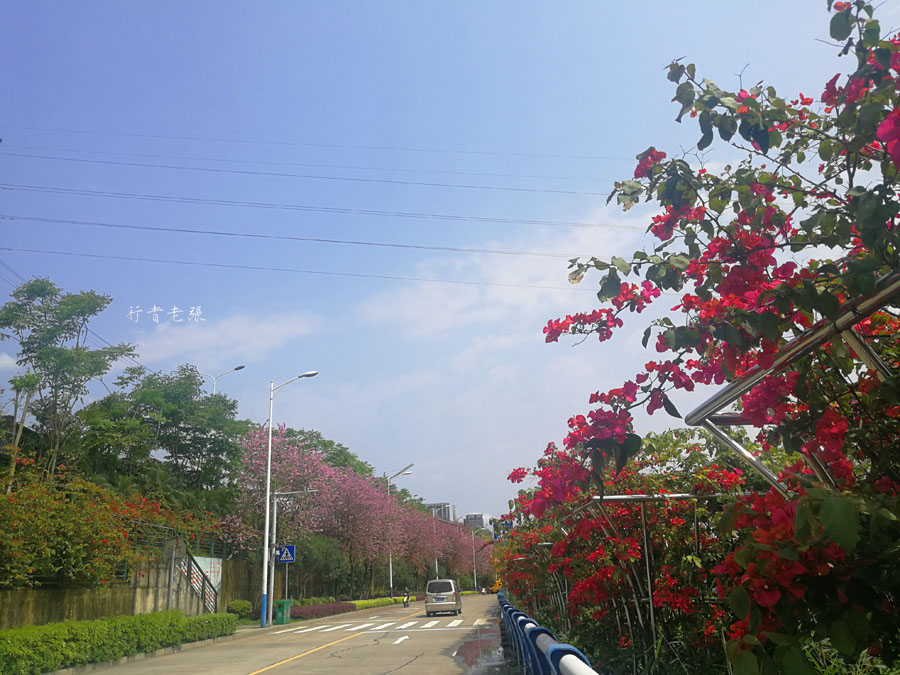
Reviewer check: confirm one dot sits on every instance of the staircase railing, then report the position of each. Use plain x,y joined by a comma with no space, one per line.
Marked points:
199,582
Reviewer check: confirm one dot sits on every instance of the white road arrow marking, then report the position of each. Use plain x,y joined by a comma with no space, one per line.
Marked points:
399,640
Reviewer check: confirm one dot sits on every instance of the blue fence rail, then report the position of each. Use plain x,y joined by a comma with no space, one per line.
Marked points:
535,649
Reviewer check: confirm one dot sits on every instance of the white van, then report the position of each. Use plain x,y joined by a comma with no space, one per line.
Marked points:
442,595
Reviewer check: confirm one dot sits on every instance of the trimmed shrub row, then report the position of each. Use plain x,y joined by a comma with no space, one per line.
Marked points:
305,602
242,608
40,649
318,611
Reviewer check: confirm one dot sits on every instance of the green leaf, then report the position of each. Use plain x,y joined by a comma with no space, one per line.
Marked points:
726,521
670,407
739,602
789,553
621,264
802,527
609,287
676,70
727,127
841,638
796,663
646,337
841,25
841,521
746,663
679,262
743,556
705,140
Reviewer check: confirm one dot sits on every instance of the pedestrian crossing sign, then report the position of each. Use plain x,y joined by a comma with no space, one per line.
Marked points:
286,554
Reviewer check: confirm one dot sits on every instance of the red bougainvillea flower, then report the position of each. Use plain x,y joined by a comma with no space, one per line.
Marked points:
889,134
646,161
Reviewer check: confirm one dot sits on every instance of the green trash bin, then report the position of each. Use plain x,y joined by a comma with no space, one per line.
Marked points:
282,612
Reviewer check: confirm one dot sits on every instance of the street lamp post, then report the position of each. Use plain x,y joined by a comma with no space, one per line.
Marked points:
474,571
275,496
434,530
216,377
265,581
405,471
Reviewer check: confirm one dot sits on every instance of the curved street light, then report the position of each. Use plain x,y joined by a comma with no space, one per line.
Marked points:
215,377
263,616
405,471
474,572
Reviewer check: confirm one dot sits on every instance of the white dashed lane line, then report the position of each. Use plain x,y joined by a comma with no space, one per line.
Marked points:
343,625
307,630
384,625
430,624
407,625
359,627
455,622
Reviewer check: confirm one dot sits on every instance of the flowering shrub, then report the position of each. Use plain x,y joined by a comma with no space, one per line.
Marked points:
806,223
71,532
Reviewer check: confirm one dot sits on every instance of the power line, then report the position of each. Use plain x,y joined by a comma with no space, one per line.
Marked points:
339,146
279,174
293,270
316,209
254,235
354,167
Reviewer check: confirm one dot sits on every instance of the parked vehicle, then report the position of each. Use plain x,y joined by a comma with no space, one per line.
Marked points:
442,595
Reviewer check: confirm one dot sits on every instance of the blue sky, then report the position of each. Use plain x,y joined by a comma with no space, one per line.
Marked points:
323,120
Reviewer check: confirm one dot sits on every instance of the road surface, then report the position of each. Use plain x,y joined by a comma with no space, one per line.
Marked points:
369,642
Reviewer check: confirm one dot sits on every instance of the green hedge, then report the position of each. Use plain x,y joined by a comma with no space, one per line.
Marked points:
306,602
40,649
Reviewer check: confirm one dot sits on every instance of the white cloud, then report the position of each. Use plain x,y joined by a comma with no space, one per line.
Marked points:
7,362
427,309
239,336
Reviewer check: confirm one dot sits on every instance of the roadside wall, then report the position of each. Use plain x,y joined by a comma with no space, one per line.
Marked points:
148,591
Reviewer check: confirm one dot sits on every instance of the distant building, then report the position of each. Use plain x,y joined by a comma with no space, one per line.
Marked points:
478,520
443,510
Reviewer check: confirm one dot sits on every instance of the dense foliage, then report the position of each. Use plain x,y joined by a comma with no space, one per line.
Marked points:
798,226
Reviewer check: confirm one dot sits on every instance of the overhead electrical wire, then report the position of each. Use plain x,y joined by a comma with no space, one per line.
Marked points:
339,146
279,174
316,209
293,270
269,162
255,235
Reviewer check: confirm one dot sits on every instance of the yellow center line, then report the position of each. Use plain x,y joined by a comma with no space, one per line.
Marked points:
315,649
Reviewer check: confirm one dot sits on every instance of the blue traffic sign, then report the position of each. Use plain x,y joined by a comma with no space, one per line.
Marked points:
286,554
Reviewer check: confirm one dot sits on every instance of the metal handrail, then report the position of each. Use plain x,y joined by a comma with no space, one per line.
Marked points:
537,649
199,582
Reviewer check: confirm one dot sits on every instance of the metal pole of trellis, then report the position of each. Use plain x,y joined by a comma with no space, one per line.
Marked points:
848,315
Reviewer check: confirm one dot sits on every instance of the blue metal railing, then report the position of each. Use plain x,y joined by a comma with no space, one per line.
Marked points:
535,648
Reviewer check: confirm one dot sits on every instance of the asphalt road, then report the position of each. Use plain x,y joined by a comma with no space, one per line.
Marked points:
369,642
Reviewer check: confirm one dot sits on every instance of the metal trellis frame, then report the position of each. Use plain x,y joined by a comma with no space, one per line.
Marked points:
709,416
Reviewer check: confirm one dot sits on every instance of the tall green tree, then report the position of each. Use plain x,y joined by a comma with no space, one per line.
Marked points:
51,328
163,423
